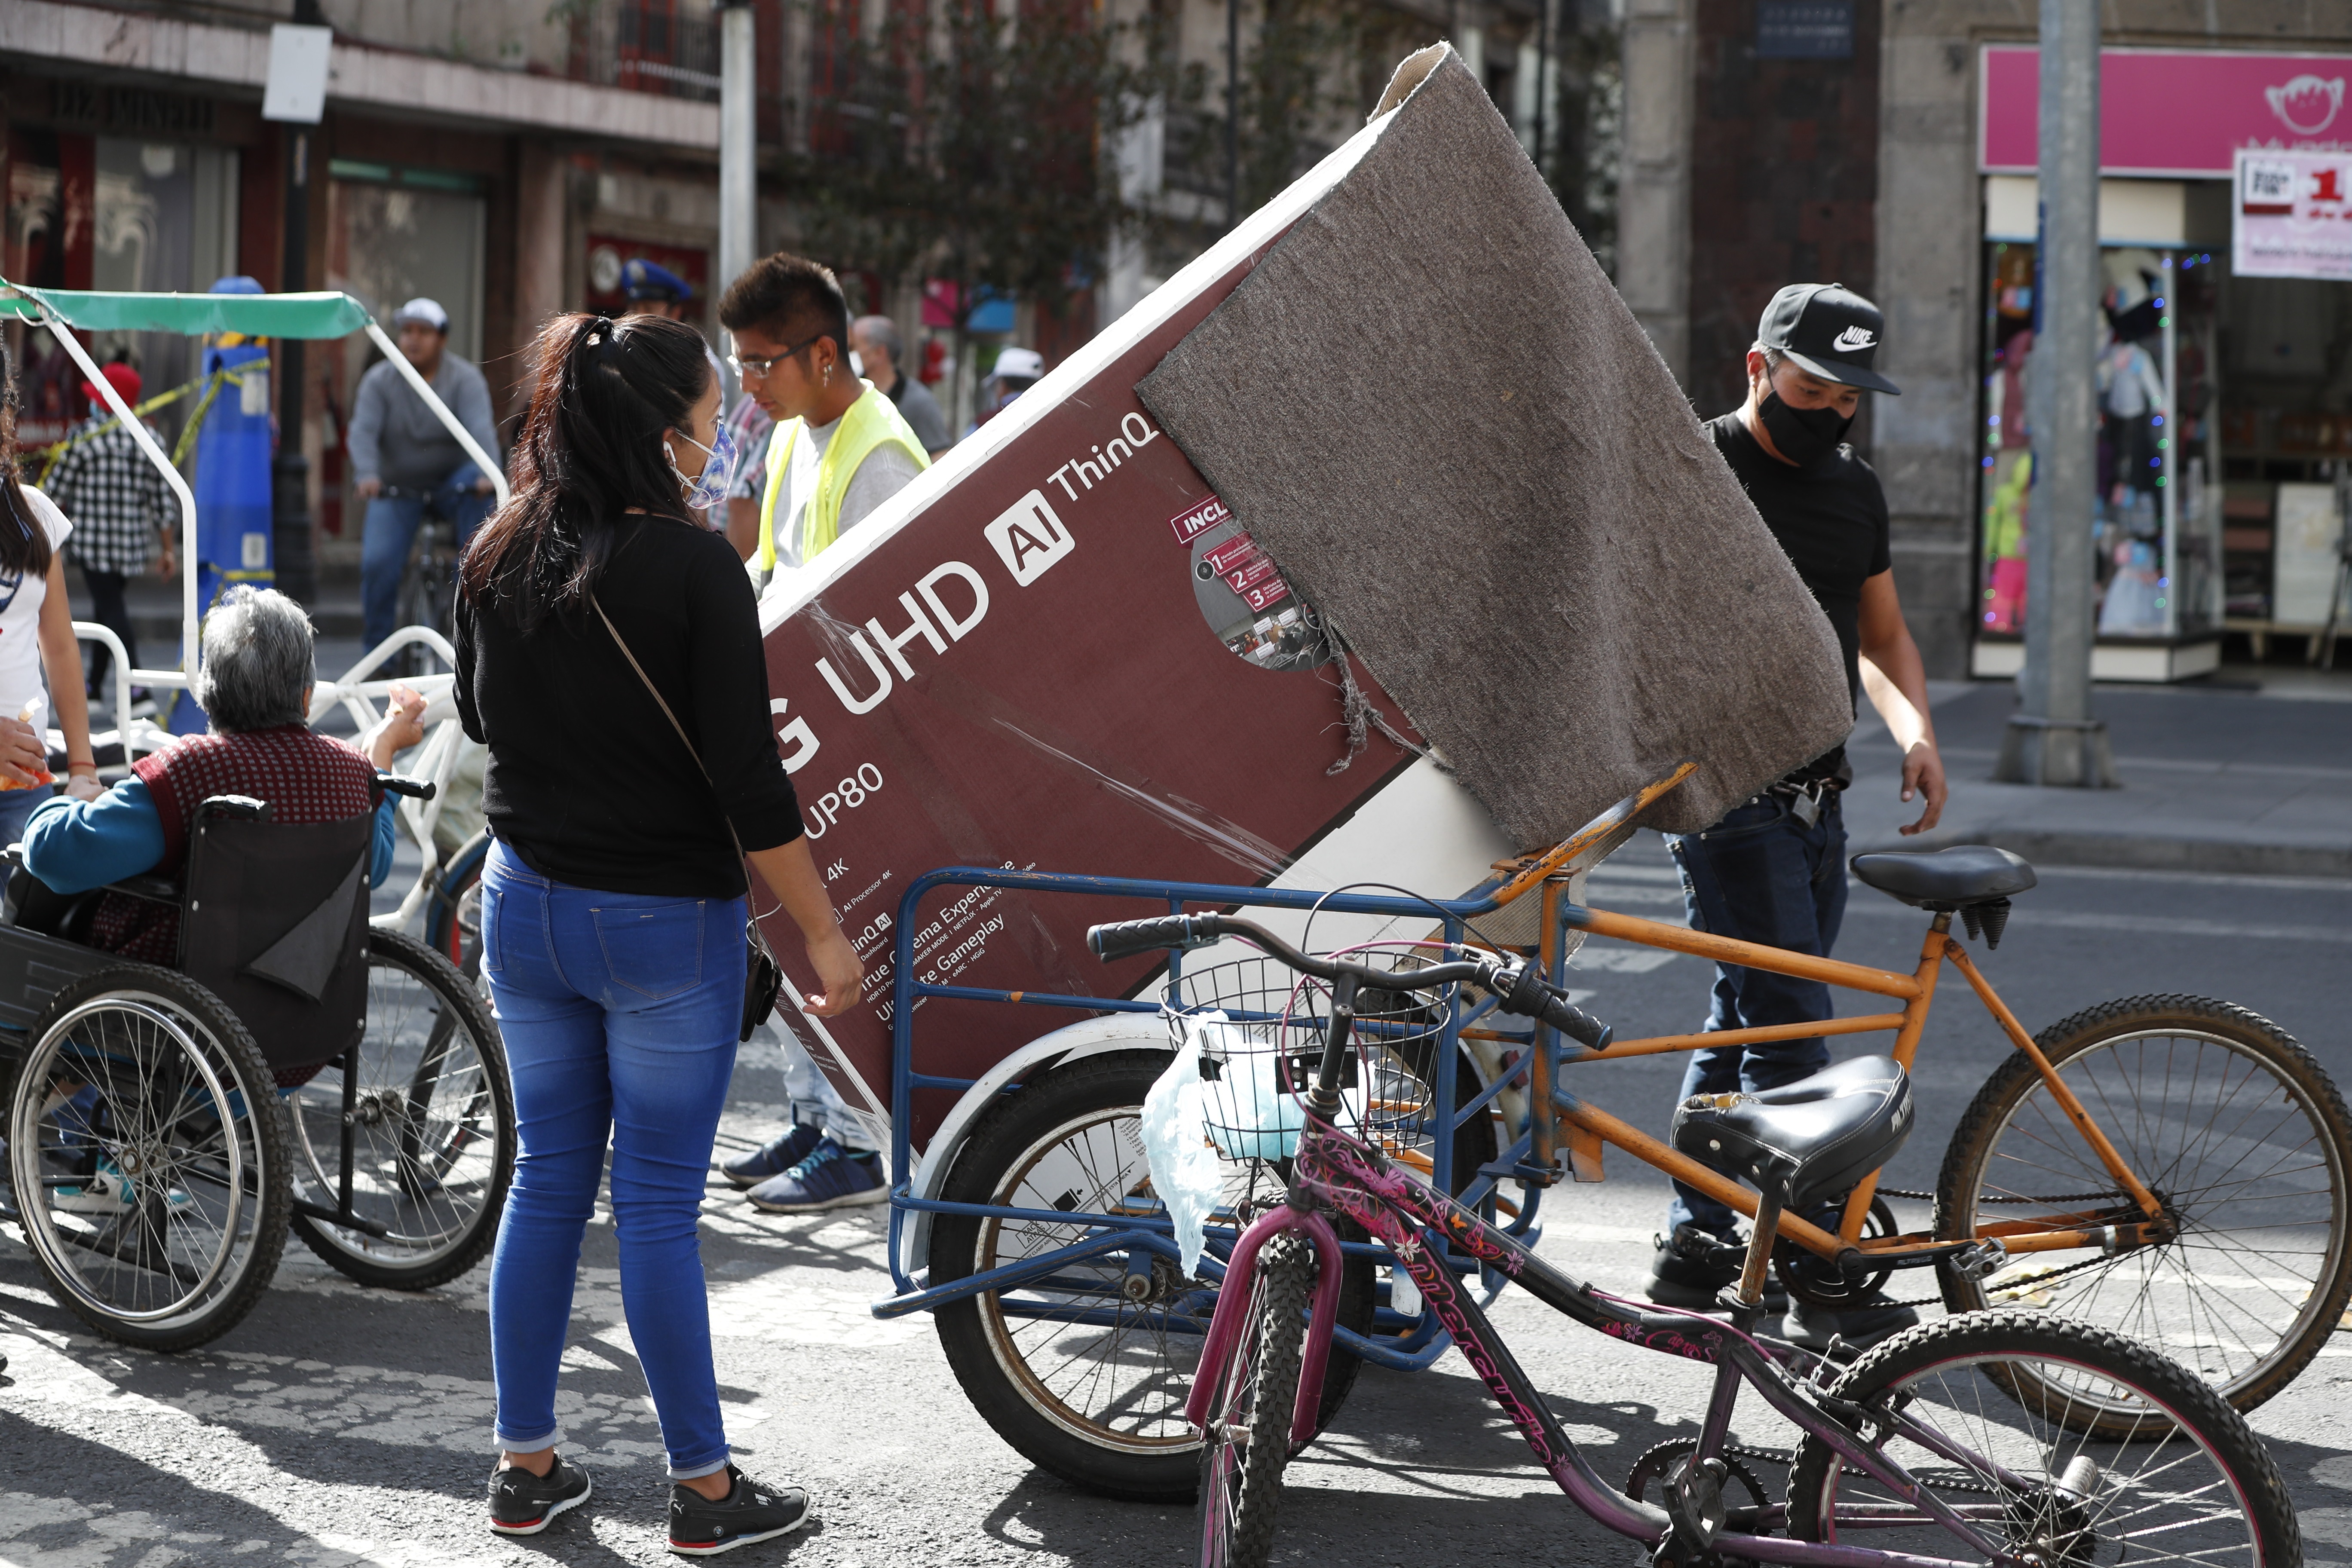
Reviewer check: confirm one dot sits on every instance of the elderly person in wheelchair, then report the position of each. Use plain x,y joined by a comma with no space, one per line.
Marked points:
254,683
197,937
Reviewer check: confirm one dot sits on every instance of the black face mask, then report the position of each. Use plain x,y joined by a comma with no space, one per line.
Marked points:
1804,435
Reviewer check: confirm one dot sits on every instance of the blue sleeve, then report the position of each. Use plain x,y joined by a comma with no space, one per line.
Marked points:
74,846
379,862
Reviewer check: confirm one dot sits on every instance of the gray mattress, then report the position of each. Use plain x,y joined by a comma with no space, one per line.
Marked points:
1430,406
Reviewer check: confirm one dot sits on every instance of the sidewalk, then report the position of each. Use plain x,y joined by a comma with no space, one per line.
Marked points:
2250,774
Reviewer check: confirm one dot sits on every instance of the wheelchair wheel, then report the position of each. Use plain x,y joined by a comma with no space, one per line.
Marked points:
431,1122
148,1149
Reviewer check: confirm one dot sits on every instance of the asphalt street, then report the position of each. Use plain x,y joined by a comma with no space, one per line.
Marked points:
340,1426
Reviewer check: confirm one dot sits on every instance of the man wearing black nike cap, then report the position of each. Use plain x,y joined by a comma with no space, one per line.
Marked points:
1773,871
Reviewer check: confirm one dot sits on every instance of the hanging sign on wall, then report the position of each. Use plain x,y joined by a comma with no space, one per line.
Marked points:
2291,214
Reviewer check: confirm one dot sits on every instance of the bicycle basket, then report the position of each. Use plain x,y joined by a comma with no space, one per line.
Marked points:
1257,1063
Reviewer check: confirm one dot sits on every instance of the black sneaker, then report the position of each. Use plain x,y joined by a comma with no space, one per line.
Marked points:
1692,1269
701,1528
522,1504
1862,1325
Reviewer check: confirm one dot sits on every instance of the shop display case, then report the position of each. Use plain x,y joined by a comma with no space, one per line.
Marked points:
2159,527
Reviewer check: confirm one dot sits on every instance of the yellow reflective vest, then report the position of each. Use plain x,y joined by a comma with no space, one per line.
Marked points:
870,421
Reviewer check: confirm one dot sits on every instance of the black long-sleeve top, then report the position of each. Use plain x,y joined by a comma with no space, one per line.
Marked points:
587,781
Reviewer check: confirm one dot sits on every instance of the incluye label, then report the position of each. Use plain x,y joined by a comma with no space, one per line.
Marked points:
1190,524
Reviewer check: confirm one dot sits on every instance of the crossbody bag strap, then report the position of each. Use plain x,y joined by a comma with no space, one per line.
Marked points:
651,691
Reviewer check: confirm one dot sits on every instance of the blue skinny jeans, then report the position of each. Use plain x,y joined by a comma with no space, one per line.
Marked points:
1761,875
619,1013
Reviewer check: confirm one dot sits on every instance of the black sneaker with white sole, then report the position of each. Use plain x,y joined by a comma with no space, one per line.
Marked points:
522,1504
701,1528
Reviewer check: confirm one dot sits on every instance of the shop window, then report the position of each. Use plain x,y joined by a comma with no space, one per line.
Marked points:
97,212
2158,538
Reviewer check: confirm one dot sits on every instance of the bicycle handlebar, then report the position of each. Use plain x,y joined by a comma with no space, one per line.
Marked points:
1516,988
398,784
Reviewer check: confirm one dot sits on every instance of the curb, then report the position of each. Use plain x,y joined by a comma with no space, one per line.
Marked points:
2139,852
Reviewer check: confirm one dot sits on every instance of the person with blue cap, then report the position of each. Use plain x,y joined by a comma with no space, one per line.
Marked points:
654,289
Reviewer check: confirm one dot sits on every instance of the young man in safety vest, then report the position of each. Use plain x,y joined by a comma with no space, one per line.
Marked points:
839,449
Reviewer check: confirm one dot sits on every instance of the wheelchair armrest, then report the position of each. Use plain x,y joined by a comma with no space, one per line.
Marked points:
159,889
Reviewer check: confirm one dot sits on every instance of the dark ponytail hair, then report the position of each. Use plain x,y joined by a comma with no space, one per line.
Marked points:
24,542
591,451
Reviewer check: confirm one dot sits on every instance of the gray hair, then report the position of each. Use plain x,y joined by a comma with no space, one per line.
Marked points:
884,332
257,659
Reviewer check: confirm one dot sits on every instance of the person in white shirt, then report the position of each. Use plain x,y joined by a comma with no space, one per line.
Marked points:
35,632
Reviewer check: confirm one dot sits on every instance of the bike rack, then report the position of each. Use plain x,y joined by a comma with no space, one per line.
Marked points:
1397,1341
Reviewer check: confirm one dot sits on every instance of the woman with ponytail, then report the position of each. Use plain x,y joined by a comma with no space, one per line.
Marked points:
596,605
35,630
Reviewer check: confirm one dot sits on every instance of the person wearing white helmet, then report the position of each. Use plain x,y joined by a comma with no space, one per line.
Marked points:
1016,371
405,459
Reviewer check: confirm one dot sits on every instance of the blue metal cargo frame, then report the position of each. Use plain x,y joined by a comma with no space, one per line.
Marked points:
1396,1341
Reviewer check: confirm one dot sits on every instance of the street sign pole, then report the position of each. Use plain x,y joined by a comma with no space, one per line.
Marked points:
296,96
739,146
2052,739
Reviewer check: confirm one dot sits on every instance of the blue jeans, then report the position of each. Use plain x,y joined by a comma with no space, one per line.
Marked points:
815,1101
620,1013
390,533
1760,876
16,808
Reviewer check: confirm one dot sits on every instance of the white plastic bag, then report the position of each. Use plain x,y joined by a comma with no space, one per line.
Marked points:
1265,1117
1176,1147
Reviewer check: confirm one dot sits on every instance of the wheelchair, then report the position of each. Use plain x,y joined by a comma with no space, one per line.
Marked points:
297,1067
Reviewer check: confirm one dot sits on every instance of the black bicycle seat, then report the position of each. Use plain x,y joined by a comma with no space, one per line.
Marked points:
1812,1139
1945,879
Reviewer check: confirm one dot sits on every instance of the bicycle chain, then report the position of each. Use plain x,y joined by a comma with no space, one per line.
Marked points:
1997,1198
1991,1198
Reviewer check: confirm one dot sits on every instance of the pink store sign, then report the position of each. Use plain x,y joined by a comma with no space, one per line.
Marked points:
2172,112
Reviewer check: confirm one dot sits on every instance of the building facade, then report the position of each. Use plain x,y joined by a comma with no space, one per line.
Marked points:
497,156
1889,144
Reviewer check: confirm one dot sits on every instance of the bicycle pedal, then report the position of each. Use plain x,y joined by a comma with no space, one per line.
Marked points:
1521,1171
1981,1259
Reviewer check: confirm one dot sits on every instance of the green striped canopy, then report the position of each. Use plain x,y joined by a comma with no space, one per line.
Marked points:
320,315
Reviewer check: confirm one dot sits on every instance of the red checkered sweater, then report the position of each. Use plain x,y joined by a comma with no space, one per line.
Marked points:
304,775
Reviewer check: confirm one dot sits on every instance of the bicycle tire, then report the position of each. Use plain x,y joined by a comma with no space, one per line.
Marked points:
2043,1504
1149,1453
453,917
1247,1445
435,1135
2197,1293
214,1177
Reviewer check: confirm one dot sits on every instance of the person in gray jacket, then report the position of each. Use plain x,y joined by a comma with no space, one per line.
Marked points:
403,457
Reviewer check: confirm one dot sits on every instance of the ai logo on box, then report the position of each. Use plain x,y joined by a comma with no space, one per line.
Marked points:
1029,537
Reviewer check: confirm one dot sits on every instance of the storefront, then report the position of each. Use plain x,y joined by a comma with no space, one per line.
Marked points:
2225,438
115,187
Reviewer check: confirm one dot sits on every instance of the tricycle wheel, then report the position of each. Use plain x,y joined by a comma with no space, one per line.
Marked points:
1085,1372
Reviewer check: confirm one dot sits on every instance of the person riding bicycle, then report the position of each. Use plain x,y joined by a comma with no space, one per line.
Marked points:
1773,871
403,457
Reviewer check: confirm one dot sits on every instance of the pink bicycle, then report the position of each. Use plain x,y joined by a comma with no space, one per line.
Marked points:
1955,1443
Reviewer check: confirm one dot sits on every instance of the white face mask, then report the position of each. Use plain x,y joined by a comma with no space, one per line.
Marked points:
856,365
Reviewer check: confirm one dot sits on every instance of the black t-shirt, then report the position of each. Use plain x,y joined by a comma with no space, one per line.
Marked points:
1830,519
586,780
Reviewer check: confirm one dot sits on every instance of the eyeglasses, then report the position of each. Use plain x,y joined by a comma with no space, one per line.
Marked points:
759,369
